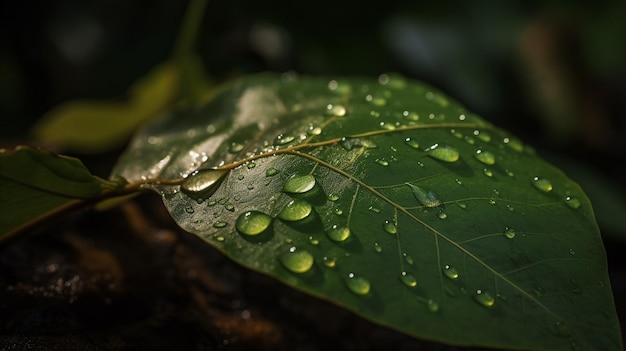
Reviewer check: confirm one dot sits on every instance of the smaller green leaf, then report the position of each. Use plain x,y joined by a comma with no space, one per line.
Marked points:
35,184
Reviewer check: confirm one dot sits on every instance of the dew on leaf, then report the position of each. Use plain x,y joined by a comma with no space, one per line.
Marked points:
542,184
338,212
250,164
509,233
450,272
220,224
283,139
295,210
297,261
485,157
386,126
443,153
382,162
357,284
488,172
338,234
220,238
336,110
299,184
229,207
412,143
378,248
572,202
329,261
390,227
442,214
428,199
203,183
374,209
484,298
432,305
514,144
235,147
271,172
407,258
253,223
189,209
408,279
333,197
313,130
482,136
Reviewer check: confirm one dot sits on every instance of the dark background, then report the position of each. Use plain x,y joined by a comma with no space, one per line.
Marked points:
552,72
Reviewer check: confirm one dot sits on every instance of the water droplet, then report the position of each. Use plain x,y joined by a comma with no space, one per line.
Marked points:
314,241
492,201
470,140
432,305
462,205
542,184
450,272
482,136
295,210
271,172
336,110
358,285
250,164
378,248
189,209
442,214
428,199
229,207
240,177
333,197
382,162
407,258
220,238
510,207
376,101
203,183
338,234
329,262
350,143
488,172
220,224
313,130
297,261
282,139
458,181
340,88
514,144
374,209
408,279
390,227
235,148
443,153
386,126
509,173
509,233
572,202
412,143
484,298
299,184
572,252
338,212
485,157
253,223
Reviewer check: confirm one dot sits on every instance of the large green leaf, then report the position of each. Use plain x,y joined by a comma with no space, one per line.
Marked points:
391,200
35,184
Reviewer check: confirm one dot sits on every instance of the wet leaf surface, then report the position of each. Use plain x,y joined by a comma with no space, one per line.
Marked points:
389,199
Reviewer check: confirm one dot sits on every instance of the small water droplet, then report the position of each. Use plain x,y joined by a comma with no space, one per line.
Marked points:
390,227
572,252
333,197
338,212
338,234
470,140
189,209
485,157
336,110
488,172
374,209
484,298
358,285
510,207
283,139
297,261
458,181
299,184
220,224
514,144
408,279
542,184
572,202
386,126
339,88
313,130
203,183
412,143
270,172
314,241
240,177
462,205
432,305
450,272
220,238
250,164
382,162
253,223
350,143
376,101
329,262
235,148
482,136
442,214
229,207
509,233
296,210
407,258
378,248
509,173
492,201
428,199
443,153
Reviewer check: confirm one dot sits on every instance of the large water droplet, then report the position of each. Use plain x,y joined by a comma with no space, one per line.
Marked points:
253,223
509,233
484,298
203,183
390,227
295,210
450,272
542,184
297,261
338,234
408,279
358,285
572,202
299,184
428,199
443,153
485,157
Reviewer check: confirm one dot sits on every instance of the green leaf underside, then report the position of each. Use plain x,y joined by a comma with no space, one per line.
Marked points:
36,183
406,224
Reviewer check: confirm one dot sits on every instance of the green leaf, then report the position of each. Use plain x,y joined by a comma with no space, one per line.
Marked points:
390,199
35,184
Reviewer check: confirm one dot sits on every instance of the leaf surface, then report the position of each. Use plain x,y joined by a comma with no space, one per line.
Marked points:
390,199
